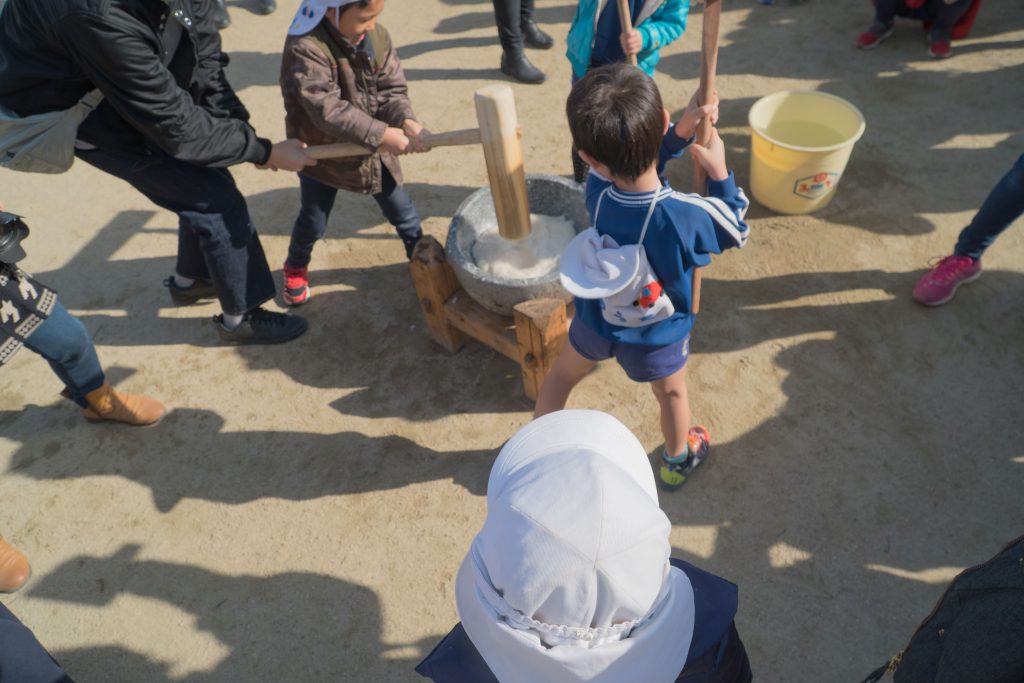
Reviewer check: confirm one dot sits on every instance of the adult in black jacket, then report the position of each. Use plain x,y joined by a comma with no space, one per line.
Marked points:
169,124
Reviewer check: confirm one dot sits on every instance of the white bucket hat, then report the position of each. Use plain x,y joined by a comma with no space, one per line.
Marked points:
311,12
569,579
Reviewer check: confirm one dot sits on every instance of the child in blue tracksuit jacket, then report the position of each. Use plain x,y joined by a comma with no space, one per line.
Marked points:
596,38
621,129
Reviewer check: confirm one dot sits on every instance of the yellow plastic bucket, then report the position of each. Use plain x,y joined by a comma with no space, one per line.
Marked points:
801,141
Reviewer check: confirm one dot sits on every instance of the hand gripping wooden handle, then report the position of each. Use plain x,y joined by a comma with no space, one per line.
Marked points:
708,67
453,138
627,25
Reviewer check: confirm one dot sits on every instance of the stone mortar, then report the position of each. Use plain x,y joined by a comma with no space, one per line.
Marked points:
547,194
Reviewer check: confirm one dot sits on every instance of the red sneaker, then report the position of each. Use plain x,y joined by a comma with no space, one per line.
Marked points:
870,39
940,49
296,285
941,282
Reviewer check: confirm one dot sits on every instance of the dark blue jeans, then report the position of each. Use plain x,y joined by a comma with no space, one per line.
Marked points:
941,15
216,239
63,341
510,15
1003,206
318,200
22,658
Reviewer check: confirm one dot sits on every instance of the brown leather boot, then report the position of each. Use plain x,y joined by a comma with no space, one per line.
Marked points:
14,569
134,409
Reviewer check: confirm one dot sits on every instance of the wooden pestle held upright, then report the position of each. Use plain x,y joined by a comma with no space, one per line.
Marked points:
503,154
708,69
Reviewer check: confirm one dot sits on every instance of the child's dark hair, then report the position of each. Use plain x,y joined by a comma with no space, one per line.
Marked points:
616,116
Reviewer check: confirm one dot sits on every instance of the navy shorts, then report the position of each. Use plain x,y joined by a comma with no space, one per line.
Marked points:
641,363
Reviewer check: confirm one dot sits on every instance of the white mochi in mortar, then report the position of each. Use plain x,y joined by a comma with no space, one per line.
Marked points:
525,259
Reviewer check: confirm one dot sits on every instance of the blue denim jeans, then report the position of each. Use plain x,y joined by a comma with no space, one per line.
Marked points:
63,341
941,14
22,657
216,239
318,200
1003,206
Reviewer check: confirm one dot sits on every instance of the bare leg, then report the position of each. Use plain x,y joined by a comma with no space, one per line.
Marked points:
675,410
570,367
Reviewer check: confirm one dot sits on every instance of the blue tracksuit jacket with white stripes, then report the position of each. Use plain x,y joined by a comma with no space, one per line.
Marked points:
684,231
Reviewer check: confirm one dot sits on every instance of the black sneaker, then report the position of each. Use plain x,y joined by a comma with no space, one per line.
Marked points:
265,6
534,37
262,327
410,244
186,296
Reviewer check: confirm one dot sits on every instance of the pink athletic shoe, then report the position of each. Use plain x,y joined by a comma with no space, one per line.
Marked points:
296,285
940,49
870,39
939,284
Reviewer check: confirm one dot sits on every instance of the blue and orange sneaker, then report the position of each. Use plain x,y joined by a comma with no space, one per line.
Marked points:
675,470
296,285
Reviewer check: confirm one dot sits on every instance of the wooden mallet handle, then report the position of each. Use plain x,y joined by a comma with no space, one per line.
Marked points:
453,138
708,68
627,25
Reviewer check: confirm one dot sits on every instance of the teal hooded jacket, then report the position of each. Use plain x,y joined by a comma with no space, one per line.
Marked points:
660,22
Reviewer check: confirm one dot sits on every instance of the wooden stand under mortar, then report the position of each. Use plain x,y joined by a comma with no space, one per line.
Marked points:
533,337
535,334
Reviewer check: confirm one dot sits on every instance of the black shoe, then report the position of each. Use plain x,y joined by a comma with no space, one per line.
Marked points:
410,245
186,296
220,15
262,327
265,6
534,37
516,65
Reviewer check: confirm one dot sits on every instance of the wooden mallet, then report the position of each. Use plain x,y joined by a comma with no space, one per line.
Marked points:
500,136
708,68
341,150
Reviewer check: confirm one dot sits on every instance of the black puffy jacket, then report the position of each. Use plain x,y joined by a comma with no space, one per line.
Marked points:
52,52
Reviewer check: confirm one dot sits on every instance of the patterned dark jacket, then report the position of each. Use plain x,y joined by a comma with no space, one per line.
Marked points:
24,306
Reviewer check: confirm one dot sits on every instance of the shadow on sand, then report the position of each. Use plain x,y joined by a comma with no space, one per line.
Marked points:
287,627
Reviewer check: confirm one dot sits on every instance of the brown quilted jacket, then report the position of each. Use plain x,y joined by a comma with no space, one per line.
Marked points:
337,92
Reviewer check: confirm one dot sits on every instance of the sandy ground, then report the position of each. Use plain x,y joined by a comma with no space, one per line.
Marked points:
301,514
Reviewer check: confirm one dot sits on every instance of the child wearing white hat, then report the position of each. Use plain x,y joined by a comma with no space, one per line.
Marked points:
632,272
574,584
342,81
